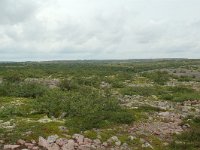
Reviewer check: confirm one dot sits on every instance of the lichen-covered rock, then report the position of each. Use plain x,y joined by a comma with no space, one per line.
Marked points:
11,147
69,146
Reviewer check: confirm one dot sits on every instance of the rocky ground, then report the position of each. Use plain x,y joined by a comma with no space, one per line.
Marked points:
162,125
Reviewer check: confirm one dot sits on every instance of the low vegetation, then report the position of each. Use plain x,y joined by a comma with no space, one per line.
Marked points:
87,96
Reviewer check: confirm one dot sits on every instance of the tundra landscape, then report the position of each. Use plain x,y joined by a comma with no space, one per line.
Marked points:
110,104
99,74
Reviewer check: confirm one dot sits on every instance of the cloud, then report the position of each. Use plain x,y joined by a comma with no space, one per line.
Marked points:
85,29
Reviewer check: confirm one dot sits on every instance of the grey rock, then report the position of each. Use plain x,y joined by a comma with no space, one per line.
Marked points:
42,142
69,146
10,147
52,138
79,138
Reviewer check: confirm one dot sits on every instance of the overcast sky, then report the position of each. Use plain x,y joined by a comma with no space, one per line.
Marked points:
99,29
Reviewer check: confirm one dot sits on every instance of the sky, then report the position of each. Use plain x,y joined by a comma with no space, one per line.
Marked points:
99,29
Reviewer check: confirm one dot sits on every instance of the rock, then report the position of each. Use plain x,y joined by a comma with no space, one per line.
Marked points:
42,142
69,146
2,141
53,146
115,138
35,148
124,147
62,129
99,136
10,147
105,144
33,141
87,141
62,115
79,138
84,147
97,142
28,132
52,138
61,141
147,145
142,140
29,145
164,114
45,119
185,126
21,142
118,143
131,138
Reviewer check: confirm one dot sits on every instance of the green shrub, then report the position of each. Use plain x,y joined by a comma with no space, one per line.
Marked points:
28,90
84,110
159,77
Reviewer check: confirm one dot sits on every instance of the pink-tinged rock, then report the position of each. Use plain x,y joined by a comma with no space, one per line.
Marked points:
87,141
33,141
10,147
52,138
42,142
97,142
69,146
84,147
35,148
21,142
79,138
61,141
53,146
29,144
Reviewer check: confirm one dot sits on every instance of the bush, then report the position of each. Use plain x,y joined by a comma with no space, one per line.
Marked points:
28,90
159,77
68,85
84,110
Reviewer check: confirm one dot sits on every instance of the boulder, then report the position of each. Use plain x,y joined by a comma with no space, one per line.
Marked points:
69,146
42,142
61,141
53,146
11,147
52,138
79,138
21,142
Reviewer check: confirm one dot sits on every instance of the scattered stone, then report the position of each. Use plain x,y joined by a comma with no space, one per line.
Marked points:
124,147
87,141
61,141
62,129
115,138
53,146
35,148
42,142
79,138
97,142
12,147
131,138
84,147
52,138
69,146
45,119
105,144
33,141
2,141
118,143
147,145
21,142
185,126
29,145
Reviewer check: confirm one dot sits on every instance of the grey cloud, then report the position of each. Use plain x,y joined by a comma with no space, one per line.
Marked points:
76,29
13,11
